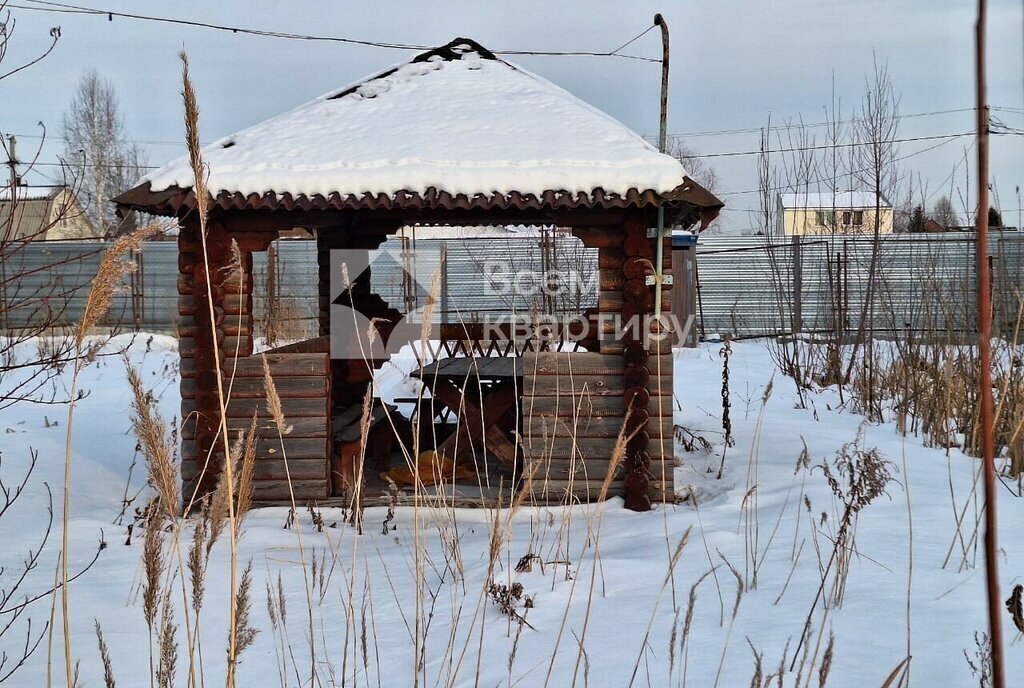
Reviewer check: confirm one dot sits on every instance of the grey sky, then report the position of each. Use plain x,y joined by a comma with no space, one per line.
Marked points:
733,63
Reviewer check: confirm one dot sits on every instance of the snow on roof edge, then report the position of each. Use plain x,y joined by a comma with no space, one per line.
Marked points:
828,199
628,162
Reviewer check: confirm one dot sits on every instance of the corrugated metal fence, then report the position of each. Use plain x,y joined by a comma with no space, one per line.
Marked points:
749,286
756,286
482,275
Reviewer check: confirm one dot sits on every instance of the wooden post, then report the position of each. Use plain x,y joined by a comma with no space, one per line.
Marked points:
796,316
188,258
985,356
637,303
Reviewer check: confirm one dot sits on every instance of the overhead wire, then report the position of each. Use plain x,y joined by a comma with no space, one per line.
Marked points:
852,144
804,125
839,176
827,146
165,142
66,8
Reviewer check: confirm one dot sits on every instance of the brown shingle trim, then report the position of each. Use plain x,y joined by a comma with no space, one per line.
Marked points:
175,200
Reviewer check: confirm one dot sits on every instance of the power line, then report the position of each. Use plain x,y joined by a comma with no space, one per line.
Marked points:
839,176
165,142
64,8
851,144
944,138
801,125
58,163
704,155
152,142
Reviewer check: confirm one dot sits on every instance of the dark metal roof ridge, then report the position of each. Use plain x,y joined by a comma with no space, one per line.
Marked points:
447,52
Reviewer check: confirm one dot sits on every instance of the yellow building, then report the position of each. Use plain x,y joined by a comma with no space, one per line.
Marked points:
839,212
39,214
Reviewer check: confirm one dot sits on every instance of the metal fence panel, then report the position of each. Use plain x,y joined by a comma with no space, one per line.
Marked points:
760,286
748,286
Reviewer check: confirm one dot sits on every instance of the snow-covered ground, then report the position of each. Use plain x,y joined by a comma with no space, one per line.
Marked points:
600,581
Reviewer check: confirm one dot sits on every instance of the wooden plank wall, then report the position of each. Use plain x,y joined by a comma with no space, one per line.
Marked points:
302,378
573,411
684,293
302,382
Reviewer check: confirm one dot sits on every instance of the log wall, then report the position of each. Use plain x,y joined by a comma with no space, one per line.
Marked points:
642,370
208,333
574,408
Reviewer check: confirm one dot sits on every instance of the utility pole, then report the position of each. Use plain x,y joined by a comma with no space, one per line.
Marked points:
659,21
659,277
12,161
985,356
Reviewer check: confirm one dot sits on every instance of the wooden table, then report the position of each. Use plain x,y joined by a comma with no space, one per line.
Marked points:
480,392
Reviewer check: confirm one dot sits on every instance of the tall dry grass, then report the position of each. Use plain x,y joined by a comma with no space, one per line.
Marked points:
111,273
199,173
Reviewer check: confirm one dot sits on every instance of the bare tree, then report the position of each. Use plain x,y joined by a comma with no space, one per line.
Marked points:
696,167
18,634
31,304
102,161
875,167
875,130
944,214
14,622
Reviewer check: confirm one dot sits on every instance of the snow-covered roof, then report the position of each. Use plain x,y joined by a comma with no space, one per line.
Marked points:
829,200
30,193
455,120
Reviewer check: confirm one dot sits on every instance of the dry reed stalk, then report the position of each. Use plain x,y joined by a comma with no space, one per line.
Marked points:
826,661
418,548
196,564
910,556
272,615
149,428
220,507
201,199
755,681
168,644
691,604
895,678
276,412
856,477
163,476
497,536
245,634
153,564
112,270
735,610
356,504
108,667
247,469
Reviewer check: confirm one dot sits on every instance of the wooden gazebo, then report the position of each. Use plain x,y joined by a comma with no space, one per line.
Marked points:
456,136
